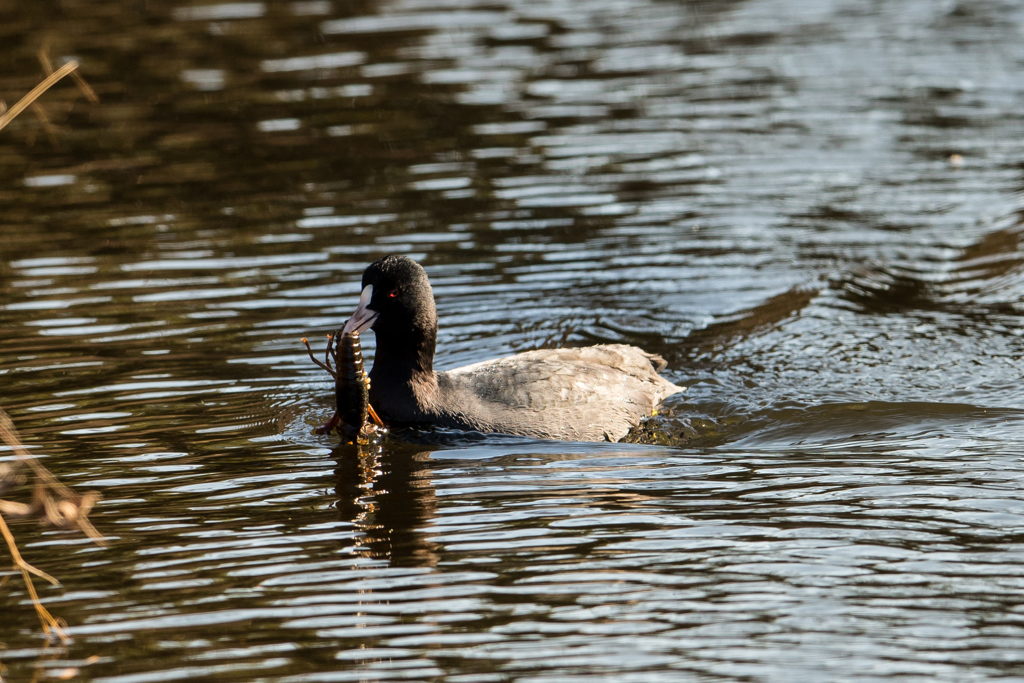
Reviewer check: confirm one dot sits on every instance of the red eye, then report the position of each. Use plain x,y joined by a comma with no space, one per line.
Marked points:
394,293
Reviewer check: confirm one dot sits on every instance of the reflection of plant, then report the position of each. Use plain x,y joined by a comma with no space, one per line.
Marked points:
53,504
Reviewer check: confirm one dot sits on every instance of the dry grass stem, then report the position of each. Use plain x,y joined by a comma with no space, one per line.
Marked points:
52,504
34,94
40,113
89,93
44,60
49,623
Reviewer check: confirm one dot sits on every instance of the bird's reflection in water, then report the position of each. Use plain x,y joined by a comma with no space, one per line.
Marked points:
385,490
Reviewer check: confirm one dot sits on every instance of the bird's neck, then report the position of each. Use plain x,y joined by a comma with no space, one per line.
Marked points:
402,379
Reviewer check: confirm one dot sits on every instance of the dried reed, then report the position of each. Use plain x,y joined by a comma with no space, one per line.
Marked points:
52,504
34,94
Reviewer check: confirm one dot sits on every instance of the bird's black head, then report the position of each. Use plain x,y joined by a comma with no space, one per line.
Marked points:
401,295
397,303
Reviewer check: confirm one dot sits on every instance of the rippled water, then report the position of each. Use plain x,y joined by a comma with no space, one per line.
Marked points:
813,210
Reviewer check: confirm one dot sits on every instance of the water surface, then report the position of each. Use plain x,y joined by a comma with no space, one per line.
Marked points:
812,210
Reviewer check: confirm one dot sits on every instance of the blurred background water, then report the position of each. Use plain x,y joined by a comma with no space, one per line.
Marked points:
812,210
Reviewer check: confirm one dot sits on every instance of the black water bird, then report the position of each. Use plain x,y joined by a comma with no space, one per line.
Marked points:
595,393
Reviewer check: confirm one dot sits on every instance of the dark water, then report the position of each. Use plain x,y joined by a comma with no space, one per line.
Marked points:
813,210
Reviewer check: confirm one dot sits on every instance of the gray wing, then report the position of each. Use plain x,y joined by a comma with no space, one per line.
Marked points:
591,393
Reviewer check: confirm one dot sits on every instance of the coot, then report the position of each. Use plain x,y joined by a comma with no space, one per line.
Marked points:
587,394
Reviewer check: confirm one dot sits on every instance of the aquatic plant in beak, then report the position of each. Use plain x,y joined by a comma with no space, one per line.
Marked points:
351,383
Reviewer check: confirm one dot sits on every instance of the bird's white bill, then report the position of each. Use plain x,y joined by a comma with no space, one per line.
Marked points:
363,317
